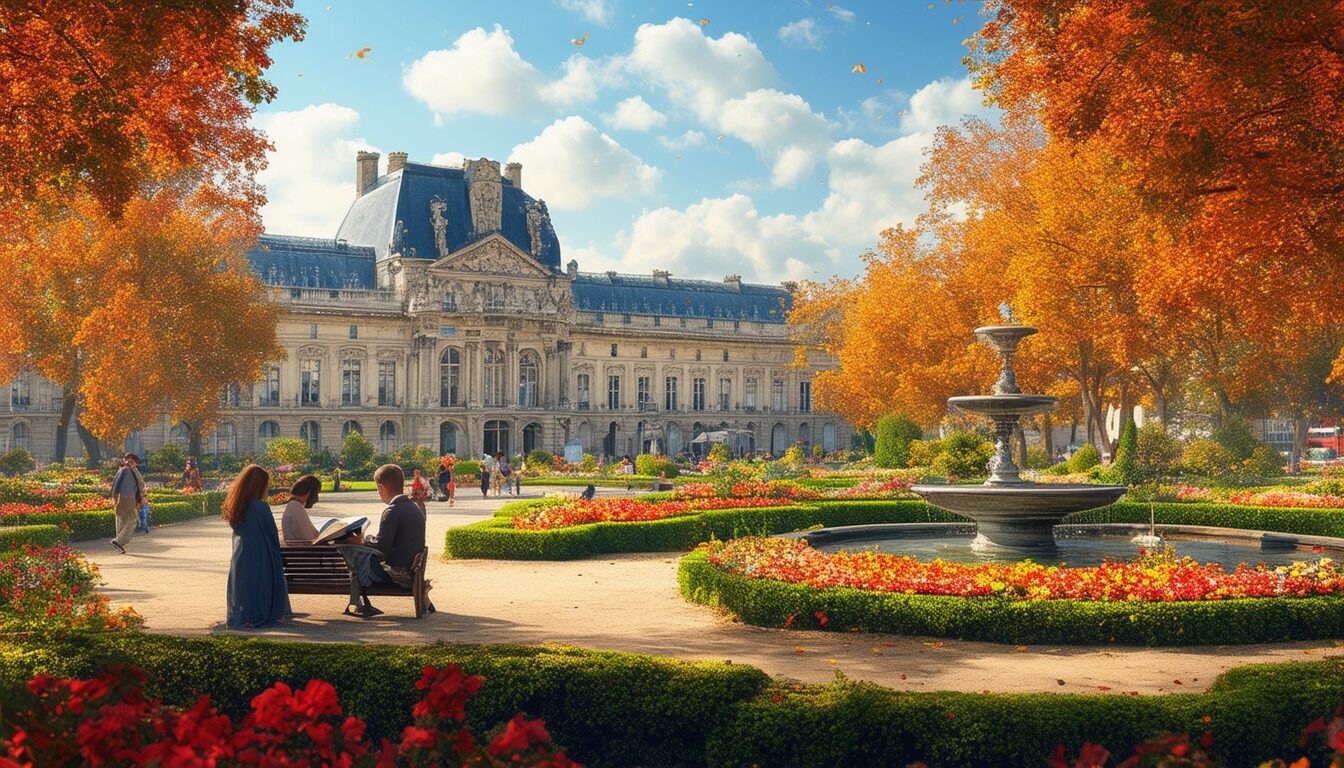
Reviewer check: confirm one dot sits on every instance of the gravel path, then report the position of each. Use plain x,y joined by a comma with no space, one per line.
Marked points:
175,577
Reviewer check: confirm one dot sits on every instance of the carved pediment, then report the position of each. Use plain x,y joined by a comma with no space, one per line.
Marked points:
311,352
493,255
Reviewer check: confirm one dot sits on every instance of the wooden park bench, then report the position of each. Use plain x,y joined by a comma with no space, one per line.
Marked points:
321,570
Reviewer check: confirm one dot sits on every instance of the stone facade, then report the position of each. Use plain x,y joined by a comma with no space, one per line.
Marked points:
483,348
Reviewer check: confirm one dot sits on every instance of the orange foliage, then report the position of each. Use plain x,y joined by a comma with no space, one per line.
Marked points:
156,311
113,94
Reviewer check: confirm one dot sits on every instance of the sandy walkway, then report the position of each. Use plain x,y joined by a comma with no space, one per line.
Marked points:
175,578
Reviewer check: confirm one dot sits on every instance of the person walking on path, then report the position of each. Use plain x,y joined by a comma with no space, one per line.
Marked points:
487,464
501,474
419,490
257,594
446,486
128,494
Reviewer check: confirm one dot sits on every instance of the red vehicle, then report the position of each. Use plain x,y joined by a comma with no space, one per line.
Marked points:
1328,435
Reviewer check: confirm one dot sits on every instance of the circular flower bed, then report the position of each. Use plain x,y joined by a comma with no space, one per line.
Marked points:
1157,600
628,510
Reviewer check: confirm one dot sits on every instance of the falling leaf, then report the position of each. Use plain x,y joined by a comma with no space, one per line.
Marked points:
720,137
1103,687
266,248
300,74
580,40
880,81
935,644
362,52
954,21
789,621
859,68
1020,648
1059,681
704,22
832,661
799,649
902,675
877,649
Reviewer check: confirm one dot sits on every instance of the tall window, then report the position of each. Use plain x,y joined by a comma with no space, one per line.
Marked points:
497,437
20,436
725,393
179,434
450,377
266,432
614,392
270,388
350,426
528,366
447,438
645,397
350,389
387,383
805,396
311,433
698,394
21,395
310,382
387,437
670,393
354,331
494,298
777,395
226,439
584,391
494,376
230,396
749,394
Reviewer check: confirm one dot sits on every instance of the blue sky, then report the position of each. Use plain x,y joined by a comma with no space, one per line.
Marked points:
742,145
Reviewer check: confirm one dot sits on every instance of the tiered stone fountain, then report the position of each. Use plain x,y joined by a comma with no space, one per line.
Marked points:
1008,510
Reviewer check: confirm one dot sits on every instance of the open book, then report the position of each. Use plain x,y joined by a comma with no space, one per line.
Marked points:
336,528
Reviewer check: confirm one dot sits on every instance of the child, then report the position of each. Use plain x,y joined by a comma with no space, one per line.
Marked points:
144,518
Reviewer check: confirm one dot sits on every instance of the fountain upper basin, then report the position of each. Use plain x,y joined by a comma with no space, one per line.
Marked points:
1003,405
1019,514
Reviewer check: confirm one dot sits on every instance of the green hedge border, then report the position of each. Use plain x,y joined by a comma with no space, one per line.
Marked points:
102,523
770,603
1304,521
605,707
17,536
496,538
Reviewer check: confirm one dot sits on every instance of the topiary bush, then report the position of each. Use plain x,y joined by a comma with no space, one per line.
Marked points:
893,434
648,464
963,454
1085,458
1157,452
1124,470
1264,462
15,461
540,460
1235,434
357,453
1208,458
168,458
291,451
16,536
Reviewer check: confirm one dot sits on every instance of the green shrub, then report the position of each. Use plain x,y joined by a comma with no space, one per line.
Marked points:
894,433
1157,452
1124,469
1037,458
23,492
1085,458
15,461
13,536
1235,434
1208,458
817,451
497,538
356,452
964,454
97,524
652,466
718,452
1062,468
540,460
465,468
168,458
923,452
281,451
1309,522
588,463
770,603
1264,462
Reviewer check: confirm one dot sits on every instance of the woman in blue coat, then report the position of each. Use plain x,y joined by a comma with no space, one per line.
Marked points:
257,594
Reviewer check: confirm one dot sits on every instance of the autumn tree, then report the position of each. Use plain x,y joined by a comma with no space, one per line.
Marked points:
156,311
104,97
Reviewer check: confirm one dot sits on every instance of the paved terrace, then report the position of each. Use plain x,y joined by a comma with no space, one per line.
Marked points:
175,577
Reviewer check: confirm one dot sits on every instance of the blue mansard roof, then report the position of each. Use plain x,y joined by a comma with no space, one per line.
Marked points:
308,262
610,292
396,211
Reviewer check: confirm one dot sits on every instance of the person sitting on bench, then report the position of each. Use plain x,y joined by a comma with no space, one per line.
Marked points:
401,536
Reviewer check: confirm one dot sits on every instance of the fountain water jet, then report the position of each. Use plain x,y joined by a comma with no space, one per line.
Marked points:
1008,510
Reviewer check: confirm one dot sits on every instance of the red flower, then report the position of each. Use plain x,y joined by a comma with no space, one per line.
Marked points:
519,735
821,618
418,738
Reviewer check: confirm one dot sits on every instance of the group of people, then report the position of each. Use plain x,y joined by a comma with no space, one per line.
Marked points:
257,594
500,475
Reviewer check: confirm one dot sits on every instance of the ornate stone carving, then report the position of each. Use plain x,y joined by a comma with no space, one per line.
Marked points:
311,352
399,236
353,353
496,256
536,217
486,195
389,356
437,207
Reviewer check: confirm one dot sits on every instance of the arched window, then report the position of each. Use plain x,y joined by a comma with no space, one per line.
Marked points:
387,437
528,367
805,434
673,439
779,439
225,439
828,437
585,437
531,437
311,433
609,442
348,427
497,437
493,380
20,436
450,378
447,438
266,432
584,391
179,434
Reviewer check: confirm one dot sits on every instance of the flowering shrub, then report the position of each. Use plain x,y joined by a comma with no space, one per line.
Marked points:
1194,493
625,510
759,489
83,505
894,488
53,587
1160,577
1287,499
108,720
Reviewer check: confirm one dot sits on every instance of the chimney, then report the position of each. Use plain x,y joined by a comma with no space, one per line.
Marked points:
366,172
514,173
733,282
660,277
396,161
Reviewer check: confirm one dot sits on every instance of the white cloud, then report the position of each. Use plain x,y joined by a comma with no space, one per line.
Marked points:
596,11
482,73
448,159
686,140
635,114
843,14
309,176
720,235
697,71
571,163
941,102
803,33
782,127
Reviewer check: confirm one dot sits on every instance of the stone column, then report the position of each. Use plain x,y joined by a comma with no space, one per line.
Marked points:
562,372
475,362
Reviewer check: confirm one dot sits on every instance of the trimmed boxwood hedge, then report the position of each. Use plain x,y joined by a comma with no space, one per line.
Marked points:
770,603
1299,520
618,481
15,536
497,538
618,709
102,523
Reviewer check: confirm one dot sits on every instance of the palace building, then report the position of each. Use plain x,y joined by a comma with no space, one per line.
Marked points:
441,315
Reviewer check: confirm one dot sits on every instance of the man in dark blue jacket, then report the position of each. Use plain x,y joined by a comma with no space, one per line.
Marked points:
401,536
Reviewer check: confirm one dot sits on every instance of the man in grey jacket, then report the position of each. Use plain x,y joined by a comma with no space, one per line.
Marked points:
128,493
401,536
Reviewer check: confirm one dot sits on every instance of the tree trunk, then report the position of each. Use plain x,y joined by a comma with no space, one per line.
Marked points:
63,423
1073,430
1020,444
1300,425
1048,437
92,447
193,441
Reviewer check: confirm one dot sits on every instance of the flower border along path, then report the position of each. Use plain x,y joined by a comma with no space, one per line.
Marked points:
498,538
773,602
